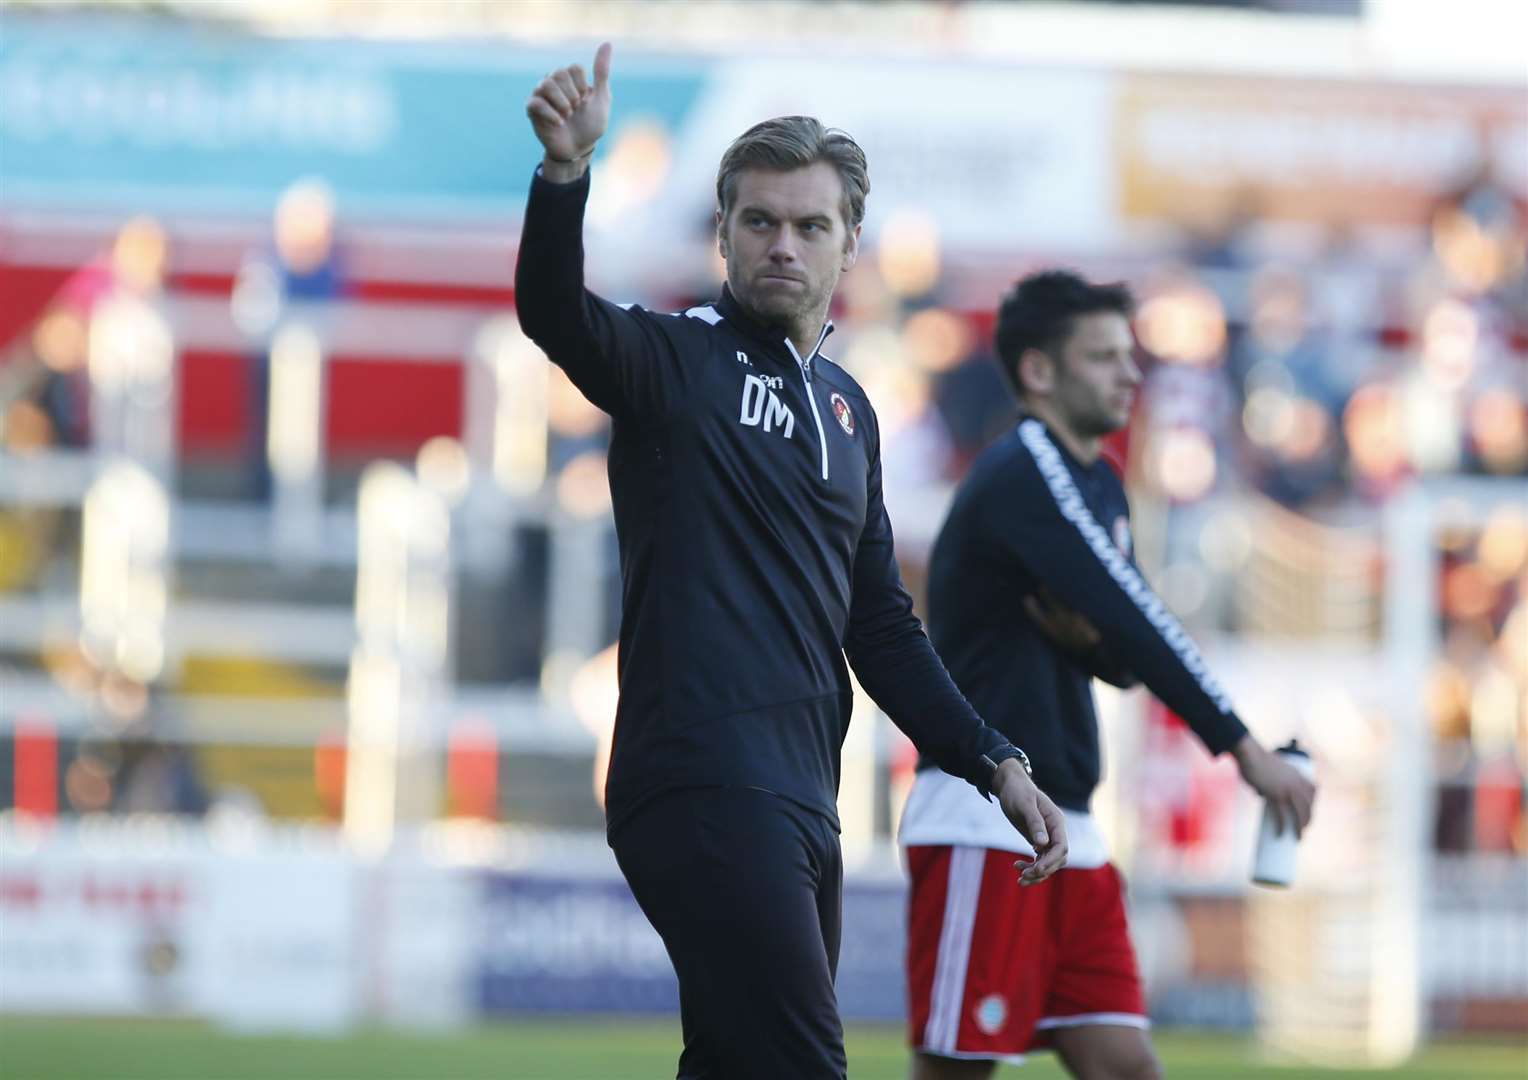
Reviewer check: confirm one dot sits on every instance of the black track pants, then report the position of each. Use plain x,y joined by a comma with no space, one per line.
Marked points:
746,890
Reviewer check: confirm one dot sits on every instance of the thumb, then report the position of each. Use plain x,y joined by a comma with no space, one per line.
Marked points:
602,66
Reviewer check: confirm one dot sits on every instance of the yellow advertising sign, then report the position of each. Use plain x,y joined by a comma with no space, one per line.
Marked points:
1193,149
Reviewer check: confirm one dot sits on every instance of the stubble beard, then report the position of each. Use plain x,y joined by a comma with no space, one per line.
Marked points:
1094,420
1100,424
797,321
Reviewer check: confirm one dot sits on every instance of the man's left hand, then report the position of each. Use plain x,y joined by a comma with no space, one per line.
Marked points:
1035,816
1064,627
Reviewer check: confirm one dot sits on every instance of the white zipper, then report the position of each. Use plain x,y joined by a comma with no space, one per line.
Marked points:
806,380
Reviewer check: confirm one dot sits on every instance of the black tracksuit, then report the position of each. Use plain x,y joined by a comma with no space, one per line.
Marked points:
1030,515
755,554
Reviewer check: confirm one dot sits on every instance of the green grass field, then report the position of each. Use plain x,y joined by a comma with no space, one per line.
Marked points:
35,1049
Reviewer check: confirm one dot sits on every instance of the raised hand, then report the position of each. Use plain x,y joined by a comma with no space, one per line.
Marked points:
568,114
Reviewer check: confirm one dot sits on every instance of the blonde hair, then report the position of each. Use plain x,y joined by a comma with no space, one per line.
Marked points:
794,142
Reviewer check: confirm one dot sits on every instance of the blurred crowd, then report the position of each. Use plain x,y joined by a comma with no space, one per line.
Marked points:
1290,393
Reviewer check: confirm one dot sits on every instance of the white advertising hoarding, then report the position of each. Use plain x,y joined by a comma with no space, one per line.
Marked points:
85,928
114,922
995,156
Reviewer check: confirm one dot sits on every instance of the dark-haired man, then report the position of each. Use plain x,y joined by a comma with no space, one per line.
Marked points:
755,553
1032,593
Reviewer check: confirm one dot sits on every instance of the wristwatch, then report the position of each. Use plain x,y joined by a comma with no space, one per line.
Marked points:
995,757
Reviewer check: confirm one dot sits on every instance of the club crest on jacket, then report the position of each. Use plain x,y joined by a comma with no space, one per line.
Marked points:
845,416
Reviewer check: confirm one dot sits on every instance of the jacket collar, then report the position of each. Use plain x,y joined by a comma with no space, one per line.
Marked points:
1060,444
737,315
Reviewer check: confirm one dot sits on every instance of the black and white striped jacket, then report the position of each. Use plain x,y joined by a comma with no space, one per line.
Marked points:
1030,515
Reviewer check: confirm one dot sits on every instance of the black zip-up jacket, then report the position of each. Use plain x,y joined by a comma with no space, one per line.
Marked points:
1030,515
755,549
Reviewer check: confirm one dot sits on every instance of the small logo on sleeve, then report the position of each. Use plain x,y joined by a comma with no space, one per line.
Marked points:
842,411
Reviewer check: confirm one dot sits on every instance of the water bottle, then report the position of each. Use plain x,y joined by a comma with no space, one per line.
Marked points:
1274,863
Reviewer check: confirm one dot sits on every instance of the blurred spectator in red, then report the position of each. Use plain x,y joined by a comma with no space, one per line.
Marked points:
47,393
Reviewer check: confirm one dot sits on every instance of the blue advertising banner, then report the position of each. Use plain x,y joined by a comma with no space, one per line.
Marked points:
143,116
871,984
570,945
555,944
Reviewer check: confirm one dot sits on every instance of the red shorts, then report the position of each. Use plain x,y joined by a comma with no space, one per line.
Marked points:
993,967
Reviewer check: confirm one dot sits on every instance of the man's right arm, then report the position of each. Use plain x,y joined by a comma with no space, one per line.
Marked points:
618,358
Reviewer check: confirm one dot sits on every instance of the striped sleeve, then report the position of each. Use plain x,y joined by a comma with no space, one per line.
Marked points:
1051,531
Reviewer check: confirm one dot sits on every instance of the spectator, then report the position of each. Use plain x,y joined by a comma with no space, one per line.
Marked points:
295,281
